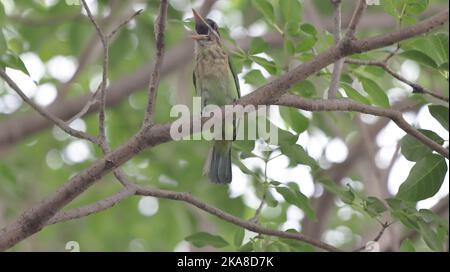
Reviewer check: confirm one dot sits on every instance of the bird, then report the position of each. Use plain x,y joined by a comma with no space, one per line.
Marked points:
215,81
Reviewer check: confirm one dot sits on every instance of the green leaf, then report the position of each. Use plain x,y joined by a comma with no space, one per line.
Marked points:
289,47
239,237
11,60
287,194
244,145
243,168
407,246
376,71
3,43
298,199
440,113
424,179
247,247
7,173
286,138
408,220
390,7
306,44
309,29
294,119
269,65
429,217
266,8
405,11
440,42
291,10
297,155
420,57
257,46
270,200
202,239
430,236
292,29
354,94
413,149
304,88
374,206
255,78
275,183
303,201
347,196
377,95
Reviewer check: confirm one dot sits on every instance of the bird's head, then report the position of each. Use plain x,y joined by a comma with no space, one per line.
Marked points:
206,29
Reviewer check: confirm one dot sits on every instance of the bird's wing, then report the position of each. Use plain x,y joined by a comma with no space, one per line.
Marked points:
236,80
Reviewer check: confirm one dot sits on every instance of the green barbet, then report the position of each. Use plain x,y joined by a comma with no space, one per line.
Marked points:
217,84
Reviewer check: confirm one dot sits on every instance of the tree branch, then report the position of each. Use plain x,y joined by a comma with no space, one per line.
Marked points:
338,65
124,23
94,208
105,46
188,198
382,64
160,27
350,105
56,121
384,226
356,18
184,197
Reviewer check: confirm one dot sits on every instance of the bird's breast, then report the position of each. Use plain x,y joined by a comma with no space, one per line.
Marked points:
211,63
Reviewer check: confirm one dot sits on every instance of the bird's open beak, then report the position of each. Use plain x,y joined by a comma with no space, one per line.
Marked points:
199,37
198,19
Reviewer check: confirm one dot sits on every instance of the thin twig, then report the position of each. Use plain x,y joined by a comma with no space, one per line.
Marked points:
58,122
392,161
94,97
384,226
391,54
93,208
382,64
104,41
91,102
255,218
160,27
124,23
338,65
356,18
103,141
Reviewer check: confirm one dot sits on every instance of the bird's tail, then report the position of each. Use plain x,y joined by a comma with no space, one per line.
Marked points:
218,164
